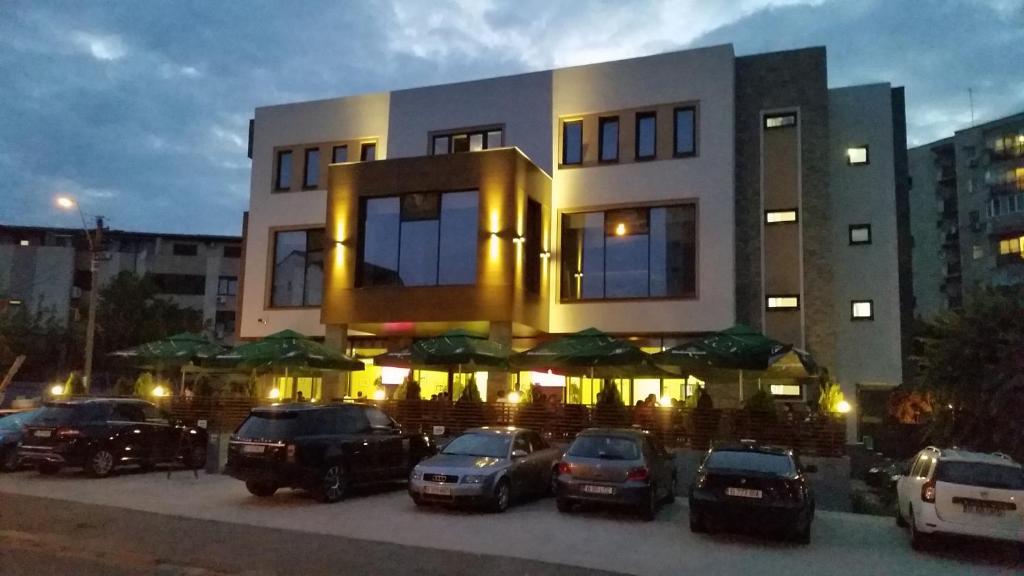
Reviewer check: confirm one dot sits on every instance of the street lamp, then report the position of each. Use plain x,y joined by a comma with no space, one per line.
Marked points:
94,240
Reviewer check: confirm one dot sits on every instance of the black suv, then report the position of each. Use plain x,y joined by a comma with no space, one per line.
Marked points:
321,448
102,434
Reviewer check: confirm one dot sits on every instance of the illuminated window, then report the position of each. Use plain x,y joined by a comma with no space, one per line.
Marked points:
783,302
773,121
572,142
857,155
685,133
779,216
283,178
368,152
786,390
339,154
311,170
860,234
451,142
646,135
1011,251
862,310
24,243
608,139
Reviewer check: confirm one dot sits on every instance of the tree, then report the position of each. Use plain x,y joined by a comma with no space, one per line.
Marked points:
972,364
39,337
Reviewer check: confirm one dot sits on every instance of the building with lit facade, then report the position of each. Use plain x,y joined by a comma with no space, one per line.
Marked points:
657,198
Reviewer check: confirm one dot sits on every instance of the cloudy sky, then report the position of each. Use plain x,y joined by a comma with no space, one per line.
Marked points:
141,109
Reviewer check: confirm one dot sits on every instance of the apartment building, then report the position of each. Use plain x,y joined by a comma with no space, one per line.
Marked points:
967,213
656,198
49,269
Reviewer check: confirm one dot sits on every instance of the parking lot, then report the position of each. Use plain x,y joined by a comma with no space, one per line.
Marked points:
842,543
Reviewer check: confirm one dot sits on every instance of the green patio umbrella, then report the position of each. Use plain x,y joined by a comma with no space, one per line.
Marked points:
590,353
171,352
286,349
454,349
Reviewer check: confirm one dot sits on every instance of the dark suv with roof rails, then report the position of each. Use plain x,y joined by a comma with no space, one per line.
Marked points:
325,449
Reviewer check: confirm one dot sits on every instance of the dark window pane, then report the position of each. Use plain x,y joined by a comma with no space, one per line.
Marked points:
626,253
418,257
685,132
533,248
283,181
476,142
420,207
982,475
368,152
339,154
440,145
583,256
289,268
673,251
271,426
572,142
459,240
460,143
749,460
380,242
605,448
313,293
494,139
232,251
179,284
185,249
609,143
312,169
645,135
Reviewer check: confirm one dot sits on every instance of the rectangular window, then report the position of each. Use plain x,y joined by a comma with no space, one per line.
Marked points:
368,152
311,170
860,234
476,142
608,139
786,390
685,136
646,135
224,323
533,248
857,155
179,284
232,251
494,139
283,178
424,239
977,252
227,285
773,121
629,253
787,302
298,277
779,216
862,310
572,142
441,144
339,154
467,141
185,249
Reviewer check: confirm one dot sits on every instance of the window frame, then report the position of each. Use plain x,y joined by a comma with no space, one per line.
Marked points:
563,161
363,147
467,134
867,155
653,114
227,291
278,164
272,257
769,308
871,306
863,226
601,122
675,132
305,168
334,153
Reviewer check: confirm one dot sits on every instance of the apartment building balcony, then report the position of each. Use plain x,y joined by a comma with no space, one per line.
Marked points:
419,245
1006,224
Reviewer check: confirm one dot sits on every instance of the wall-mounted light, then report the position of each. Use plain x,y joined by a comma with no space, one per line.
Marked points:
341,242
494,236
519,239
578,275
545,255
620,229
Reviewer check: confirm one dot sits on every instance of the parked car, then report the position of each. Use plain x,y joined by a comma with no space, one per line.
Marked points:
618,467
961,493
103,434
748,484
10,435
486,466
325,449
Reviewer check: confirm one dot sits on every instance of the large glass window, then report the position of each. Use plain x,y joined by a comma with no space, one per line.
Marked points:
468,141
685,137
420,239
572,142
283,178
629,253
646,135
339,154
298,268
608,139
368,152
312,169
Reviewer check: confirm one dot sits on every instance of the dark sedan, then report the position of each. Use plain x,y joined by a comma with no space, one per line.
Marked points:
622,467
10,435
753,486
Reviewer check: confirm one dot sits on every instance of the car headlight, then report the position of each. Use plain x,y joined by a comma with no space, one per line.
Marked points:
474,478
417,474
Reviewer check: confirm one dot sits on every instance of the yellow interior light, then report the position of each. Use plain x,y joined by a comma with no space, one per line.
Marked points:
620,229
665,401
514,397
57,390
843,407
274,393
159,391
379,394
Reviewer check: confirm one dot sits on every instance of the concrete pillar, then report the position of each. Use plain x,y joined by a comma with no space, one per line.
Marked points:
500,332
336,384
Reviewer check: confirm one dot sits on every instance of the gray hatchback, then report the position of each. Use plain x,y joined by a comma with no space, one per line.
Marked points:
622,467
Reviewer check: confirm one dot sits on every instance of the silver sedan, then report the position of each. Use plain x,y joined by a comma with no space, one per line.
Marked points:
488,467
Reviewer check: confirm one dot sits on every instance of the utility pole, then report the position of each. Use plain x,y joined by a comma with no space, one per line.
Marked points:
95,244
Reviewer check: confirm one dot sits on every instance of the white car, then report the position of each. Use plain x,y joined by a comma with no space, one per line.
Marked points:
960,493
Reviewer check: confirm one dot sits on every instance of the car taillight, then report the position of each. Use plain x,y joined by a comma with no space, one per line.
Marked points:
639,474
565,468
68,433
702,479
928,491
794,491
289,453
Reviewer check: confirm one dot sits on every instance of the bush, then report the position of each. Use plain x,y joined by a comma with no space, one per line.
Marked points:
761,402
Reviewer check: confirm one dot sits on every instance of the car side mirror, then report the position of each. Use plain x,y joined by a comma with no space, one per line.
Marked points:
517,454
810,469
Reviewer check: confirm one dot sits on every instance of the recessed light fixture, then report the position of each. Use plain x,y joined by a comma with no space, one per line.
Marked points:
620,229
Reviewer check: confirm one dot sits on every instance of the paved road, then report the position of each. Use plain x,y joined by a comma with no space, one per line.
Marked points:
843,543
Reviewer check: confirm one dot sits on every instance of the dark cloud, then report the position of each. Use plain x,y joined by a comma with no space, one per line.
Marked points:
141,109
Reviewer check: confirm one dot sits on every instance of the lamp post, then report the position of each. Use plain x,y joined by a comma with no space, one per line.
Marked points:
95,241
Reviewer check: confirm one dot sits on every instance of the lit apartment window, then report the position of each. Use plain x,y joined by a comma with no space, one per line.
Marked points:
368,152
779,216
862,310
468,141
685,133
298,277
629,253
311,169
786,302
786,390
572,142
1011,250
773,121
608,139
283,178
24,243
857,155
421,239
646,135
339,154
860,234
227,285
185,249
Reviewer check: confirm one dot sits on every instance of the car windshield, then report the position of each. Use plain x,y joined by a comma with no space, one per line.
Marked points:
983,475
486,445
16,421
605,447
750,460
60,414
269,426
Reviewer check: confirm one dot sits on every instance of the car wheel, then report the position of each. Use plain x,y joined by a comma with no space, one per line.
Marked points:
260,489
420,502
649,509
196,459
802,532
553,483
697,523
48,469
918,541
564,505
502,496
9,460
100,463
333,485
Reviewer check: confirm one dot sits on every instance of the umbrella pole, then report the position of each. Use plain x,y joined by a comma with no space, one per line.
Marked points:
741,386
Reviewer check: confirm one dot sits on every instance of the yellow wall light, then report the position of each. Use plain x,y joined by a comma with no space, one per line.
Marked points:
160,391
514,397
620,229
379,394
57,390
274,393
665,401
843,407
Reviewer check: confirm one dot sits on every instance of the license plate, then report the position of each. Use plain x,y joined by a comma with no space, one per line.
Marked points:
982,509
743,492
606,490
253,449
437,490
43,433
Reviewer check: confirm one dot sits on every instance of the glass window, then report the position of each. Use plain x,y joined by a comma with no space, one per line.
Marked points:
381,223
860,234
605,448
534,238
1003,477
608,139
283,179
685,131
494,139
460,143
312,168
481,445
459,240
783,302
862,310
476,142
779,216
418,240
227,285
750,460
441,145
857,155
572,142
787,390
233,251
298,268
127,412
772,121
626,258
368,152
339,154
185,249
673,251
379,419
521,443
646,135
466,141
269,425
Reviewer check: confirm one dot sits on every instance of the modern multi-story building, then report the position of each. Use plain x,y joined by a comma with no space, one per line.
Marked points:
656,198
49,269
967,213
